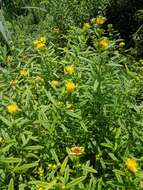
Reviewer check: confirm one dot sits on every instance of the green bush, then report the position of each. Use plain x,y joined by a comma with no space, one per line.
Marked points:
75,127
127,18
65,12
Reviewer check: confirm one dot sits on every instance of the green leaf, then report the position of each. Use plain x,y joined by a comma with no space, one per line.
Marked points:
89,169
75,182
66,175
139,174
5,121
25,167
75,115
100,182
92,183
83,126
6,148
54,155
114,65
11,184
10,160
50,97
117,184
64,164
96,83
38,8
107,145
31,155
33,147
113,157
85,59
119,172
43,184
3,28
22,186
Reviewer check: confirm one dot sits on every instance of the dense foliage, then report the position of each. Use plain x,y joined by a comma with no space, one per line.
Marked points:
127,18
71,109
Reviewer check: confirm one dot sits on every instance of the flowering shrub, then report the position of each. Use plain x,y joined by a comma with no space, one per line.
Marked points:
71,120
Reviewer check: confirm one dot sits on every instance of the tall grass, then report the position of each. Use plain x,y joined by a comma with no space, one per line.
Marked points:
5,34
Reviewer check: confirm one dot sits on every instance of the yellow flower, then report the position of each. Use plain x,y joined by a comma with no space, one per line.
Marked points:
13,82
69,69
76,151
24,72
131,165
70,86
103,42
40,43
40,188
12,108
100,20
121,44
54,83
40,40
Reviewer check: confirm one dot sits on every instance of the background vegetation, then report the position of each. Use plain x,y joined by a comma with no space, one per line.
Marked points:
71,80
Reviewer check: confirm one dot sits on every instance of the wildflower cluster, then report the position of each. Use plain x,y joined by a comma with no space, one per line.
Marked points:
40,43
71,116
